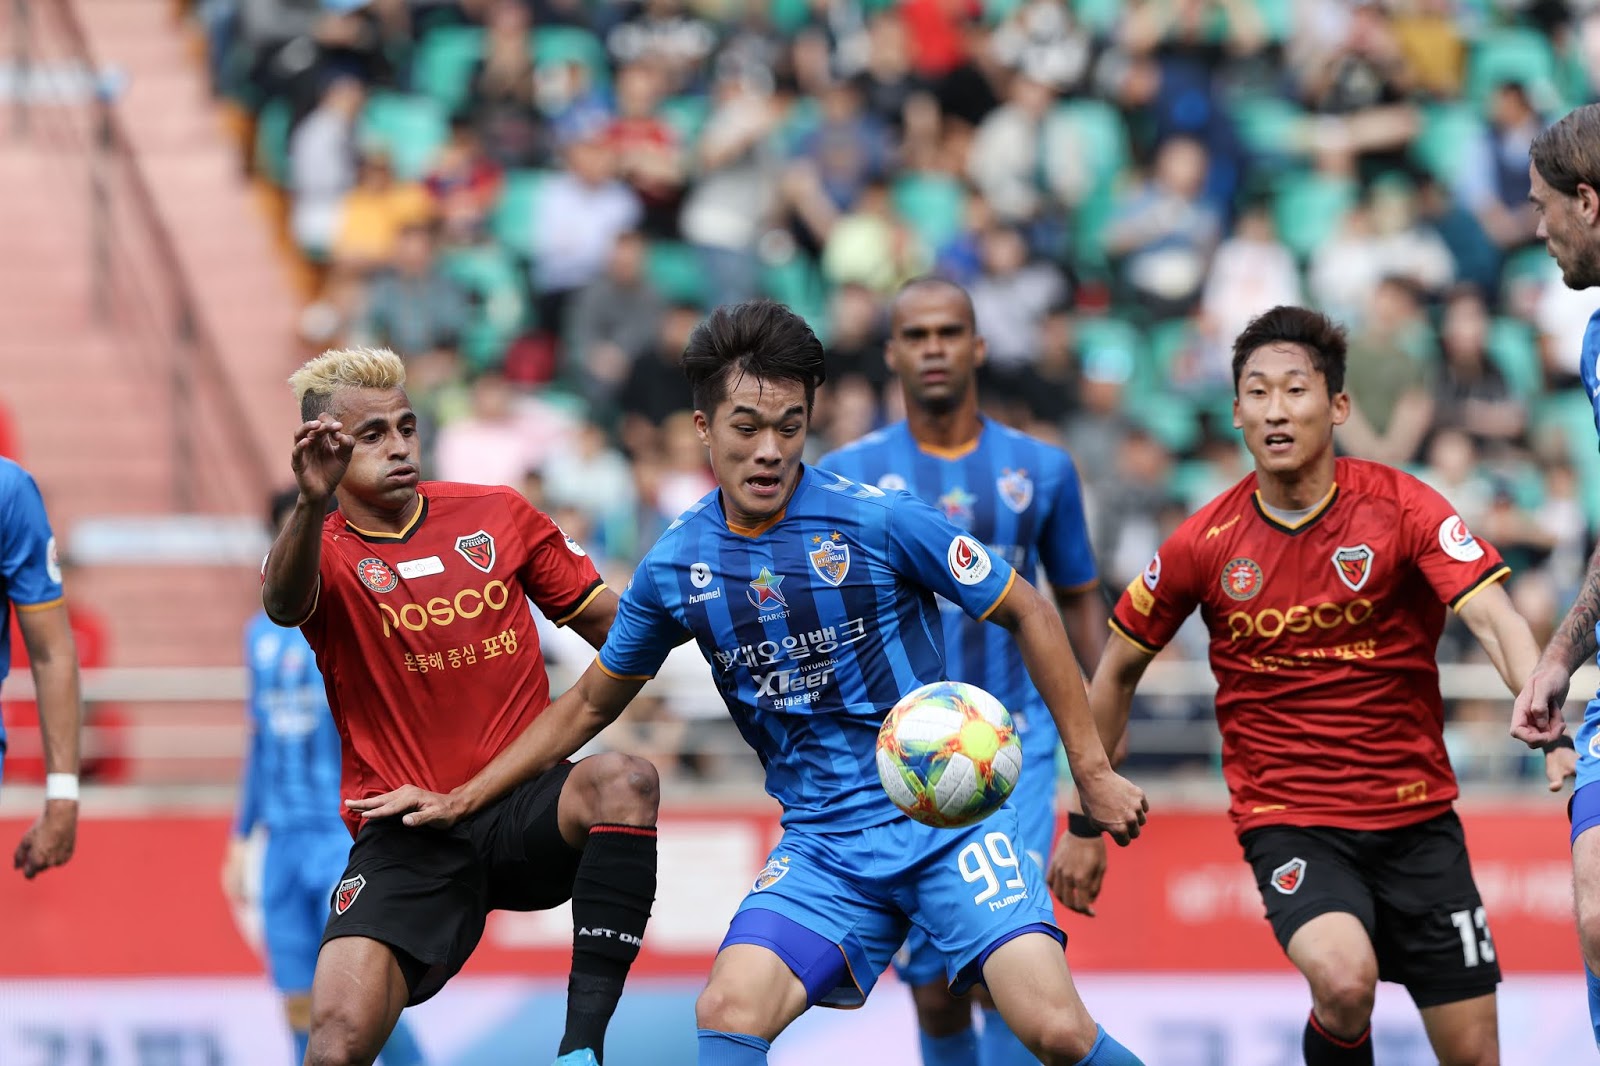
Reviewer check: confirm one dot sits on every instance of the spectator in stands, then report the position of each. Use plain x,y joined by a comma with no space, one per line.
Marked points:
584,473
464,183
576,221
1431,47
872,247
1472,394
503,105
293,47
1164,233
1004,159
1453,470
503,437
1043,41
1096,431
1561,512
834,162
655,388
373,213
661,32
413,307
649,157
856,337
1492,178
1131,504
612,324
886,81
1380,239
1390,377
1011,298
1251,272
1361,86
322,165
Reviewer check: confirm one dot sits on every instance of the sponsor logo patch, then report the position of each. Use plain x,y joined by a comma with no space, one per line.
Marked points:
1354,565
1241,578
765,592
968,560
700,575
477,549
1289,877
376,575
957,506
573,546
346,893
421,567
1457,540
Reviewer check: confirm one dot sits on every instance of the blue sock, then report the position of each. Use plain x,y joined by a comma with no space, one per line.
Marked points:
957,1049
1593,982
1107,1052
302,1040
732,1049
999,1046
401,1048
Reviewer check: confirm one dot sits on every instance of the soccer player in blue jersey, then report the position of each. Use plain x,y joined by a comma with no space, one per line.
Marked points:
291,788
814,599
30,582
1564,169
1020,497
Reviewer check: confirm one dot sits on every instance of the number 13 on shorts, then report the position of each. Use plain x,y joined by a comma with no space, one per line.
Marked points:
986,862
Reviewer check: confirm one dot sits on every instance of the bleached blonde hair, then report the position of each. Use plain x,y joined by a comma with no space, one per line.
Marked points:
344,368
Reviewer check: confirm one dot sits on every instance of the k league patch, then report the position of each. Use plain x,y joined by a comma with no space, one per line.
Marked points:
346,893
477,549
968,560
1354,565
830,558
1289,877
1457,540
1152,573
1016,489
376,575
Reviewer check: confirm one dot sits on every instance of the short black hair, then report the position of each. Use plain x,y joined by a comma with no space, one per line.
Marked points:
1322,338
1567,152
761,338
934,281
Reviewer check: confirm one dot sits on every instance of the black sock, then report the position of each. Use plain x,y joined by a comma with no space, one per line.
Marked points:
1322,1048
611,898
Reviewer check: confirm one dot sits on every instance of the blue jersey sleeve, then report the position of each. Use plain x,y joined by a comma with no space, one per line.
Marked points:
926,547
1064,541
643,633
1589,365
29,571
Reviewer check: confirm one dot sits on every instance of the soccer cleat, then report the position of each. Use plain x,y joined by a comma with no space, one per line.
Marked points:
581,1057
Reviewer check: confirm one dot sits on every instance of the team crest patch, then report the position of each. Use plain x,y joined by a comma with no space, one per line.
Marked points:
892,483
376,575
1016,489
770,874
830,558
1354,565
477,549
1289,877
346,893
1241,578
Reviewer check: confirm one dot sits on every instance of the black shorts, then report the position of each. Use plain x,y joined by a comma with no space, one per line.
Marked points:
427,892
1411,887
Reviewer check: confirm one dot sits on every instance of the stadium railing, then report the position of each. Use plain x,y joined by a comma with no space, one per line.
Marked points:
64,104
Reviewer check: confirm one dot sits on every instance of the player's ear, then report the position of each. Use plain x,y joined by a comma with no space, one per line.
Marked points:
1238,423
980,350
702,428
888,354
1341,407
1588,203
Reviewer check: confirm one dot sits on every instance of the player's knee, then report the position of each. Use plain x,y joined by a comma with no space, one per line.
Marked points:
727,1009
1589,932
1344,996
626,789
338,1039
1061,1036
938,1012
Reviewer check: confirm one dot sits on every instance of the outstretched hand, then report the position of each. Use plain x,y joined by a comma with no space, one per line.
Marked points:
322,453
417,806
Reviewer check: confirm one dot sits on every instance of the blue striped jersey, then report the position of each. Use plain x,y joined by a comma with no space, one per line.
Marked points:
1589,365
1020,497
814,624
291,775
30,574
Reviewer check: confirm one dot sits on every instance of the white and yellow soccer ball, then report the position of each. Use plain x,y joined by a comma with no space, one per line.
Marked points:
948,754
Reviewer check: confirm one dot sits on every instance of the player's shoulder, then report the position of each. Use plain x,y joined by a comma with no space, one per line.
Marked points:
680,530
861,447
1218,515
458,491
1044,457
835,495
13,476
1367,479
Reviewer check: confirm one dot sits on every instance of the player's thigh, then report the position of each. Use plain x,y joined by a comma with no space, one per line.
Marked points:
919,962
1585,814
970,890
1432,932
1028,979
529,863
1318,904
751,989
292,918
812,907
422,892
1466,1032
356,997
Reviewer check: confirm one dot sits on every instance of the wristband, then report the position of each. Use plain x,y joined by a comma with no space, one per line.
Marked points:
61,787
1563,741
1081,825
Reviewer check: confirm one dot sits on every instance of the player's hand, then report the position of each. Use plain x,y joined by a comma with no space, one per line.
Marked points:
322,452
1077,868
1559,766
50,840
1536,716
1116,804
235,871
417,806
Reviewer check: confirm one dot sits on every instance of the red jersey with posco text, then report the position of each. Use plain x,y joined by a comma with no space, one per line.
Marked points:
425,639
1323,643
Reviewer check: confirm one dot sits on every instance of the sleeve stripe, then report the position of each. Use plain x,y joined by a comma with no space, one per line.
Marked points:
604,669
1122,631
1083,586
998,600
316,600
588,598
1499,572
46,605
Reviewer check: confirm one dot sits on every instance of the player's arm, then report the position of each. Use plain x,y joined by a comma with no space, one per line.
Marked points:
1084,614
594,621
53,660
1504,634
575,718
234,862
290,577
1116,804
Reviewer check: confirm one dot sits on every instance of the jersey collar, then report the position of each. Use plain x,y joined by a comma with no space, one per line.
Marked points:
1294,530
752,532
404,535
960,451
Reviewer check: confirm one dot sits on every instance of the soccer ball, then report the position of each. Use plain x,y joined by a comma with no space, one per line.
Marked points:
948,754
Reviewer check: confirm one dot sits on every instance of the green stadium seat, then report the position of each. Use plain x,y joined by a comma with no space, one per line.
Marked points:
444,62
1309,207
1278,17
787,16
1570,413
934,205
411,128
1269,125
572,44
685,114
1515,351
501,309
1512,53
512,219
1099,132
272,141
1445,128
797,282
1108,342
1169,418
1101,16
675,271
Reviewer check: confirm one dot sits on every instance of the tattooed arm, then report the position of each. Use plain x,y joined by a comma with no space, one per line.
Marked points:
1537,718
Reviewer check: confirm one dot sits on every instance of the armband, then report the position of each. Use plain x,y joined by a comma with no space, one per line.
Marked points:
1081,825
1563,741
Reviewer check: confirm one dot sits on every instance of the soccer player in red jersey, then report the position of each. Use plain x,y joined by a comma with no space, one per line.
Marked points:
415,598
1323,582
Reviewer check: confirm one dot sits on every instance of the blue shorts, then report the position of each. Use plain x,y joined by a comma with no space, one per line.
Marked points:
919,962
297,878
836,906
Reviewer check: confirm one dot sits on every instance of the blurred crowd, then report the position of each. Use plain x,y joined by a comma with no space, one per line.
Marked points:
534,202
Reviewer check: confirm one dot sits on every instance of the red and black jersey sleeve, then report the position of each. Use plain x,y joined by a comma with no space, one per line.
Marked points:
558,576
1455,562
1156,602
